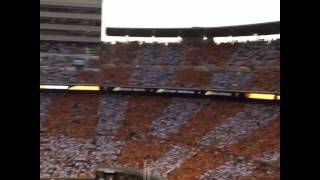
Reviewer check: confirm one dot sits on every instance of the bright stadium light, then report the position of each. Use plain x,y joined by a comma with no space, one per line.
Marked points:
53,87
84,88
260,96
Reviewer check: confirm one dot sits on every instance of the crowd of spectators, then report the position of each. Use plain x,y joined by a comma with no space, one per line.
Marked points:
178,138
240,66
87,132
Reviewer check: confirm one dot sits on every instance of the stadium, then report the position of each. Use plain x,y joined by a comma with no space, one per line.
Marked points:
131,110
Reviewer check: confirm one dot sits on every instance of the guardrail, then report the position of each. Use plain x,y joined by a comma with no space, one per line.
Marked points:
167,91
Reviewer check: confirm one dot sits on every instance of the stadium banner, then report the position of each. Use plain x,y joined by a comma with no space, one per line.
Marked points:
146,90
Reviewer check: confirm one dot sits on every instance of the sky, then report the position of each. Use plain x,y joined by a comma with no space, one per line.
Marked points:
187,13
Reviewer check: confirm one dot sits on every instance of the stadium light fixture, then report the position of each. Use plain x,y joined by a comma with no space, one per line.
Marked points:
260,96
85,88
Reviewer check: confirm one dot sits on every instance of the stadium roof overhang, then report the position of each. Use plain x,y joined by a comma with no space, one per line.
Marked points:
239,30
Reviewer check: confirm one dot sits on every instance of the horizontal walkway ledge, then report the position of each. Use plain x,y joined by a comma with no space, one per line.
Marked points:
69,38
70,15
69,27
